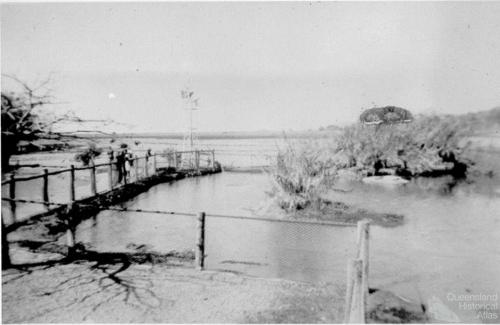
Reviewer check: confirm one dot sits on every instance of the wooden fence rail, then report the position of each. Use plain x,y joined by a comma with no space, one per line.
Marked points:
178,156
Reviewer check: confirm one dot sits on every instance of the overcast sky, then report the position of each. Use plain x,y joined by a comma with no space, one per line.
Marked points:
256,65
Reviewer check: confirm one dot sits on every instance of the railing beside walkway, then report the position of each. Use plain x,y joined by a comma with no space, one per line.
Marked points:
179,160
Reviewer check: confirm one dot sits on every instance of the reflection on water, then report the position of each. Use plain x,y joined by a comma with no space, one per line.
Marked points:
448,243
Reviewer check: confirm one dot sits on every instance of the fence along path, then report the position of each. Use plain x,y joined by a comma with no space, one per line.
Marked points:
143,167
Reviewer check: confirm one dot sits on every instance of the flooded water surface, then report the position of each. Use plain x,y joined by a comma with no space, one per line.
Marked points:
448,243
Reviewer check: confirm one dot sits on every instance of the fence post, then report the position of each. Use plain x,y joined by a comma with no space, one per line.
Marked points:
171,159
110,174
124,172
46,187
176,161
6,263
93,185
349,291
154,164
12,195
146,160
363,252
200,242
72,184
136,168
197,160
357,308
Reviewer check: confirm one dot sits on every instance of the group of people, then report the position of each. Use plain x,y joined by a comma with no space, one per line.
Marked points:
124,161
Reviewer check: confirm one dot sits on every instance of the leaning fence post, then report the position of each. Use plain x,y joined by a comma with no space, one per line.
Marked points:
93,185
357,308
200,242
12,195
363,252
110,174
46,187
349,291
146,160
6,263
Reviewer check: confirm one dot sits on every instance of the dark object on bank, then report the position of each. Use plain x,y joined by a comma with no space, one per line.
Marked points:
386,307
385,115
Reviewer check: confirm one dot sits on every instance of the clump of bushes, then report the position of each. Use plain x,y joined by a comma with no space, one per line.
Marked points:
301,175
430,144
88,155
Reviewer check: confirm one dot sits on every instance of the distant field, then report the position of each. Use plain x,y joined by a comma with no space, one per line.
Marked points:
221,135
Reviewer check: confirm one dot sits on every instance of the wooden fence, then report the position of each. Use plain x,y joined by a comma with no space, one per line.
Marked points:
180,160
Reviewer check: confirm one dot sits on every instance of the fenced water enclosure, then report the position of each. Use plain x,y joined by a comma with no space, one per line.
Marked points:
179,226
436,251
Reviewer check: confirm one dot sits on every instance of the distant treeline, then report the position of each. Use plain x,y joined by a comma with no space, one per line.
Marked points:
479,121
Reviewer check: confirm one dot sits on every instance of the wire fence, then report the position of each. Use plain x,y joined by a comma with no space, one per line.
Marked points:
167,212
297,247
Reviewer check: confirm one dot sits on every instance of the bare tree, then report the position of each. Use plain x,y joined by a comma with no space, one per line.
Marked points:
25,117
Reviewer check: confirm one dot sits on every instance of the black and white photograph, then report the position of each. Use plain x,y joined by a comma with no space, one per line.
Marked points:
247,162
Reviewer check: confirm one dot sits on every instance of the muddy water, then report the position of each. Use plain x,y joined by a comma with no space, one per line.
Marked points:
448,244
294,251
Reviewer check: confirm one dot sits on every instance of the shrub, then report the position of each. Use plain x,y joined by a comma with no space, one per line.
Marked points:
301,175
88,155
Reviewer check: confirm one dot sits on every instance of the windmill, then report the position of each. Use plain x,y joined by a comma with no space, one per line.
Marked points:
190,104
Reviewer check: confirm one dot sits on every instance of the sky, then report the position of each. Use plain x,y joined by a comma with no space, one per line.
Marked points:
254,65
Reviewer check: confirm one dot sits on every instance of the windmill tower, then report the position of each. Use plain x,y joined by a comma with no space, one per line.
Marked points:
190,105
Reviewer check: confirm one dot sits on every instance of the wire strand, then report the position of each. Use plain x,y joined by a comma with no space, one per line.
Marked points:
191,214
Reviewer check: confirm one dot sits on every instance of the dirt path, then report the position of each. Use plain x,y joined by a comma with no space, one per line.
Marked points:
91,292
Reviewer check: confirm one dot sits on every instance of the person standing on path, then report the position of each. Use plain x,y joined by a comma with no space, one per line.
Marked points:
128,162
120,165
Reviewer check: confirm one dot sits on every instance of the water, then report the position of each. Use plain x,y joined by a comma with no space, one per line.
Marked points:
448,243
